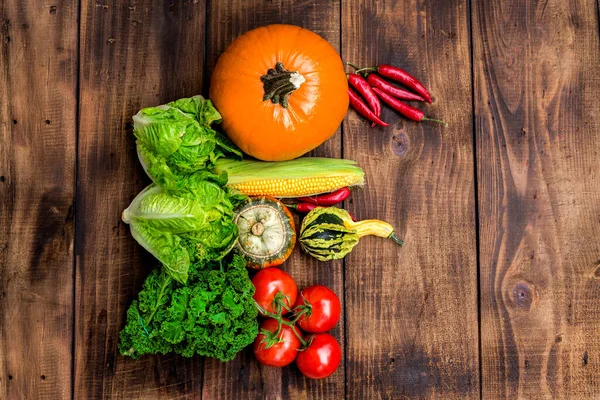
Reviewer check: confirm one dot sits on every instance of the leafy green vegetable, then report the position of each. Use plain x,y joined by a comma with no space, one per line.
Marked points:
176,139
176,226
200,301
212,315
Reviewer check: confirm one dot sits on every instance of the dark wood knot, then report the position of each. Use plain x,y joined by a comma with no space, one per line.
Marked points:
523,296
400,144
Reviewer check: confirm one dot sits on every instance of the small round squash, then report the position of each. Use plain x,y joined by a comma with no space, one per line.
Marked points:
282,91
267,233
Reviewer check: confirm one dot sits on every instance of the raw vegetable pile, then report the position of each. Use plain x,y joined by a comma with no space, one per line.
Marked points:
211,212
199,301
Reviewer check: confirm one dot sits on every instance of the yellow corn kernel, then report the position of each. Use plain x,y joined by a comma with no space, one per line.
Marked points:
305,176
293,187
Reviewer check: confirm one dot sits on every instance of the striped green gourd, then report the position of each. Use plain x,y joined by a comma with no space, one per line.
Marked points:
328,233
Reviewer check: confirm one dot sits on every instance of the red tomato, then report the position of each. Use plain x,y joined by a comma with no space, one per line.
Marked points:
321,358
270,281
279,354
323,309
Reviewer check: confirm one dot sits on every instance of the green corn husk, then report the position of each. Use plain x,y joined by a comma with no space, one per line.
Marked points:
306,176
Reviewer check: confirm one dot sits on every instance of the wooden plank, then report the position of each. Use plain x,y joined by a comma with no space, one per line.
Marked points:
536,68
38,76
412,329
244,377
133,55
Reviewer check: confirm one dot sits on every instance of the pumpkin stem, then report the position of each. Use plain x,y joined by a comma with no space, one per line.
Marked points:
279,83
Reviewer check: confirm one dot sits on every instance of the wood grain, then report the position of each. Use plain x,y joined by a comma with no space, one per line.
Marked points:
38,75
243,377
536,82
133,55
412,329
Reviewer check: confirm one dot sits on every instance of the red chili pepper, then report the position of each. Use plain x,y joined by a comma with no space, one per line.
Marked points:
362,86
363,110
377,82
405,78
403,108
328,199
397,74
305,208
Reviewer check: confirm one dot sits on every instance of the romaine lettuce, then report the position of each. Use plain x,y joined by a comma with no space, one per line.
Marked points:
176,139
175,226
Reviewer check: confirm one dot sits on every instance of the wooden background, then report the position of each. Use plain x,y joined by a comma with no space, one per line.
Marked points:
495,296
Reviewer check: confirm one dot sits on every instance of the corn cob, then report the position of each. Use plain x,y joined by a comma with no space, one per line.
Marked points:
306,176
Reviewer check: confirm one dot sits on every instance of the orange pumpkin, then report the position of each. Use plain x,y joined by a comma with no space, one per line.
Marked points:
281,90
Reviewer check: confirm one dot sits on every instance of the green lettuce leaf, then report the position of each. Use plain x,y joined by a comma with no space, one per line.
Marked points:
176,139
166,247
194,223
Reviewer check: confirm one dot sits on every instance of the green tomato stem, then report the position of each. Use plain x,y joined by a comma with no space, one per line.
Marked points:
281,322
290,324
305,309
279,302
278,331
262,310
298,315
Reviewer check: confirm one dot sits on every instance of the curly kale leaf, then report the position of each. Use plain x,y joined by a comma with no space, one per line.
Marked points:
212,315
